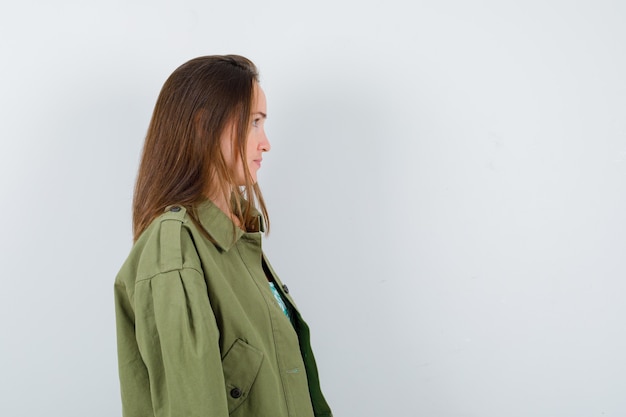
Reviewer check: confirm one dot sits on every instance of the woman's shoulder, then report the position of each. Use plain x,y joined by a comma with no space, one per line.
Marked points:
166,245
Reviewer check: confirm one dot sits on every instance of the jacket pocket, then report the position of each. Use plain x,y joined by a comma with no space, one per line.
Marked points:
241,366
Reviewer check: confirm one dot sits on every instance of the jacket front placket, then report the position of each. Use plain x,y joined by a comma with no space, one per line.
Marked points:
286,342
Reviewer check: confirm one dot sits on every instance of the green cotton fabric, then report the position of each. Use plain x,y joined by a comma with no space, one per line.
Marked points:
199,331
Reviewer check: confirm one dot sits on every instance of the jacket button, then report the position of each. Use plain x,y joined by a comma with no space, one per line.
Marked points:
285,289
235,393
175,209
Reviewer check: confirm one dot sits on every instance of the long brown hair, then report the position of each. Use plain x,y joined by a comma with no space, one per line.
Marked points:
182,158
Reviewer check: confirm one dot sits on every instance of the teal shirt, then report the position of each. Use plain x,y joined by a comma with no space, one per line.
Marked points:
200,332
280,301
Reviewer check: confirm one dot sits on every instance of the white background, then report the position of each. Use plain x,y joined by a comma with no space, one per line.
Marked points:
446,189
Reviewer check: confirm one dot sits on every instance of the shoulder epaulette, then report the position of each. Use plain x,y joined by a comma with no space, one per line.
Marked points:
169,239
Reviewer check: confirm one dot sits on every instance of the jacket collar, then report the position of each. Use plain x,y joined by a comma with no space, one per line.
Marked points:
219,226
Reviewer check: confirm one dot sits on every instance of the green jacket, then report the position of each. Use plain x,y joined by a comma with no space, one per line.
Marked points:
199,331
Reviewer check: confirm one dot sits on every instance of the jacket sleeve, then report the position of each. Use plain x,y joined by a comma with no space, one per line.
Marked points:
177,338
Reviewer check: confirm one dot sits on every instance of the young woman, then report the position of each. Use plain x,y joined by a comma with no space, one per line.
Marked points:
204,325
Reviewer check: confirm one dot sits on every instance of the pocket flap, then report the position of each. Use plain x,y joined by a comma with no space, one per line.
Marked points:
241,366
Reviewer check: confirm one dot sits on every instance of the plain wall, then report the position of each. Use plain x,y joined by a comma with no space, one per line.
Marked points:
446,188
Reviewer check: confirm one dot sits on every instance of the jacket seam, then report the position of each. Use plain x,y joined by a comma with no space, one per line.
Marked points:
166,271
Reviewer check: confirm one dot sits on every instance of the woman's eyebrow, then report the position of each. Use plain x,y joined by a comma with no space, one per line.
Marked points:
261,113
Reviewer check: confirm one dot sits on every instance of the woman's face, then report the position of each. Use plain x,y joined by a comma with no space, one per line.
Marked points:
256,142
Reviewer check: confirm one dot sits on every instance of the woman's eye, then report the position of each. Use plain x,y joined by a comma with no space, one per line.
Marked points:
255,122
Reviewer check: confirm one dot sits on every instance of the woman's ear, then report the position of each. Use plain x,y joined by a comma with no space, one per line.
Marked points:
228,145
199,121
